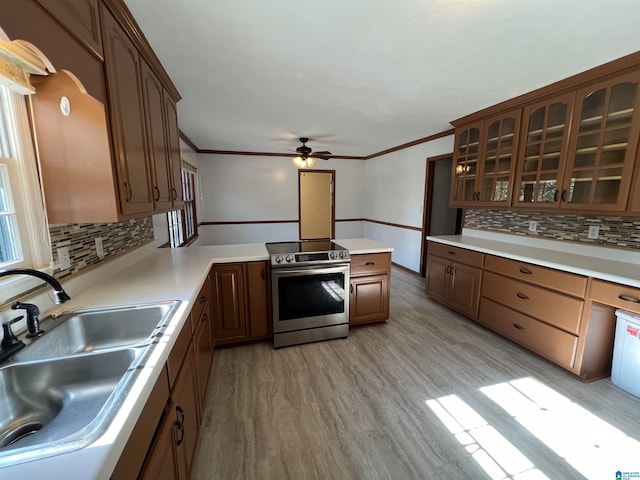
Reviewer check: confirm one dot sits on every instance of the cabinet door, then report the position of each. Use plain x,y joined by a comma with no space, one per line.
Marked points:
122,65
258,300
369,300
153,97
161,461
604,138
465,165
465,289
542,152
227,291
204,356
184,411
438,278
80,17
172,134
498,160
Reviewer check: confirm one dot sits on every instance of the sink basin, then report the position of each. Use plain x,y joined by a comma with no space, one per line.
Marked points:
98,329
51,406
61,392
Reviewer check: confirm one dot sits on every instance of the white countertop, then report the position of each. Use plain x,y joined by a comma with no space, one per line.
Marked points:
358,246
163,274
612,264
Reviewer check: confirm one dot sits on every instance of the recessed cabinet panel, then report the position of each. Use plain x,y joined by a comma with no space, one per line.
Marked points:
227,292
173,151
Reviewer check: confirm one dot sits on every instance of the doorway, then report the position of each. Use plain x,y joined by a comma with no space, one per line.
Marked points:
316,204
438,217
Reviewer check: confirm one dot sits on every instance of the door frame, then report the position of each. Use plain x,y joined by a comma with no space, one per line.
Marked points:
428,203
333,199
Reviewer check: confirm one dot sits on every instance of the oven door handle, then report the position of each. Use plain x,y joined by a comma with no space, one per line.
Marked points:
315,270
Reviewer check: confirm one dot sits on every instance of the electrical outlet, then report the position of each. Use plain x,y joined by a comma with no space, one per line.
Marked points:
64,259
99,247
533,226
594,232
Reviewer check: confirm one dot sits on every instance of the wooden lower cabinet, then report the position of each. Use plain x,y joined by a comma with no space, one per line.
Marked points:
185,411
550,342
204,356
369,299
161,463
453,283
240,302
370,279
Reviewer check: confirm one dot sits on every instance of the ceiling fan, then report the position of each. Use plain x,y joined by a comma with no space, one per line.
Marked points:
307,157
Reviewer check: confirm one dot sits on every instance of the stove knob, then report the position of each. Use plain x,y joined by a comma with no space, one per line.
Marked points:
279,259
332,255
290,258
343,254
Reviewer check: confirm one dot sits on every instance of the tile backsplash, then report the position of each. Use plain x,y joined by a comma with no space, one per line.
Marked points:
615,231
117,238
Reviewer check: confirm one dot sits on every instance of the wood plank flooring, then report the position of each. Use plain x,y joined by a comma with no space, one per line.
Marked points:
427,395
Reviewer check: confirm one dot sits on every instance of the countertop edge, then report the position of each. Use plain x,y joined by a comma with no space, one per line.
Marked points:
606,273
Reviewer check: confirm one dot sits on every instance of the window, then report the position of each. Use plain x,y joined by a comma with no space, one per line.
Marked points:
183,224
24,234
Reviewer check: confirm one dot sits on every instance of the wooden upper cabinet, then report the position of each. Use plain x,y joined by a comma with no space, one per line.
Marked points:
123,71
497,167
153,96
81,18
542,152
173,150
466,159
484,161
602,146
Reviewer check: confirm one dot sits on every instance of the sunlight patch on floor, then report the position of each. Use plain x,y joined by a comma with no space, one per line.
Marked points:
590,445
490,449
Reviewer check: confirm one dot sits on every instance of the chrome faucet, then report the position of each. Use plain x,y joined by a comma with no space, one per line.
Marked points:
33,323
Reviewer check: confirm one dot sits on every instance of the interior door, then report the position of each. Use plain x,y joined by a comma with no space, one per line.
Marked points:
316,204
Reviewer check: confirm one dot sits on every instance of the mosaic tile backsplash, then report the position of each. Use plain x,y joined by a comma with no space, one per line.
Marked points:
615,231
117,238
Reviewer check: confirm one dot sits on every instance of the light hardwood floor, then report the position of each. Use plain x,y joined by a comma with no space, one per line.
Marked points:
371,407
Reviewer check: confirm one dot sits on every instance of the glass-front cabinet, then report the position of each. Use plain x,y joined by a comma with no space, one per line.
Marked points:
484,161
602,146
542,153
465,165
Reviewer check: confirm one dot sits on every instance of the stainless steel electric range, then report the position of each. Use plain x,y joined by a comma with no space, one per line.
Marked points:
309,290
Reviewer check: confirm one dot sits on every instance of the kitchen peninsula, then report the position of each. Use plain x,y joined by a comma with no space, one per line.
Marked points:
159,275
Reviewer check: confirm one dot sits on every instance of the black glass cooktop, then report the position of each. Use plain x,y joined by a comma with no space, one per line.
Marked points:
280,248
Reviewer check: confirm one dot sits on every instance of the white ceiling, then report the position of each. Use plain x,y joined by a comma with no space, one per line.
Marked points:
361,76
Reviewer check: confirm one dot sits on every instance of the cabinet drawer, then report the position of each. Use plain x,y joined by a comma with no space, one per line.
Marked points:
547,277
460,255
370,263
555,308
543,339
621,296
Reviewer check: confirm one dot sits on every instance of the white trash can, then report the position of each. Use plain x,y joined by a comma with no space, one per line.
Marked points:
625,369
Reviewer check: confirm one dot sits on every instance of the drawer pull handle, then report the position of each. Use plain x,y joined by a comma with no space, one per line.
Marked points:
519,327
522,296
370,264
525,271
450,252
628,298
205,317
203,299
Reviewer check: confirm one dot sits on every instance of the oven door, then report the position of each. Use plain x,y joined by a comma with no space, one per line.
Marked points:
309,297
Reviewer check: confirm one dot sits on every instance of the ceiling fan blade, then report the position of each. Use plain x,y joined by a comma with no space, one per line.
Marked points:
322,153
322,157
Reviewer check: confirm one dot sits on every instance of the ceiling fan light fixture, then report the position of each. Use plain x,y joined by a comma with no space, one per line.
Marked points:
303,162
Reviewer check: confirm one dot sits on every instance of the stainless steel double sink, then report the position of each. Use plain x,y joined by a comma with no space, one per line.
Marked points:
62,391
